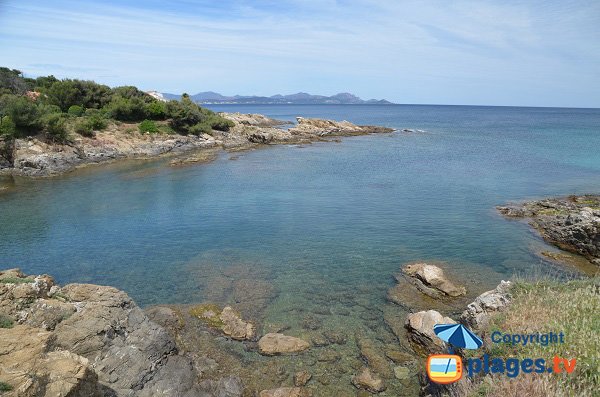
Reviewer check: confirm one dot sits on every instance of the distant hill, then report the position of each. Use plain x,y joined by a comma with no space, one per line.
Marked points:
300,98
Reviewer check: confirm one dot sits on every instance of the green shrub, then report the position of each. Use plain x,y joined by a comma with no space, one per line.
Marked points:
24,113
75,110
217,122
199,129
5,387
126,109
156,110
148,126
84,127
6,322
7,127
55,128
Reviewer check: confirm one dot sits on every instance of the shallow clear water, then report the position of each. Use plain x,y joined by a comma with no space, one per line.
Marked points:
321,227
347,213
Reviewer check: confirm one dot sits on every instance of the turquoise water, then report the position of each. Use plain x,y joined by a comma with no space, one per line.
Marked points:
334,215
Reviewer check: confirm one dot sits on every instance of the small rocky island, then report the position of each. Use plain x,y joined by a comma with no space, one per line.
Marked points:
35,156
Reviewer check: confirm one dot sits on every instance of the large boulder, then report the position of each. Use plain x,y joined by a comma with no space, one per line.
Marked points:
420,331
31,369
427,277
478,313
274,343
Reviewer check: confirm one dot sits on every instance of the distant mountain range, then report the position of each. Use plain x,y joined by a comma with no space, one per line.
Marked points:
300,98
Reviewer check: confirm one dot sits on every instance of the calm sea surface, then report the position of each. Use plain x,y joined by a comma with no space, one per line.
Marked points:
340,215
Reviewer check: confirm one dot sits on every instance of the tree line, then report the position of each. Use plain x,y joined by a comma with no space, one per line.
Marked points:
59,108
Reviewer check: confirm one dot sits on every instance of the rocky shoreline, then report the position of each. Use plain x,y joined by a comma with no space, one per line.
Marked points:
571,223
36,157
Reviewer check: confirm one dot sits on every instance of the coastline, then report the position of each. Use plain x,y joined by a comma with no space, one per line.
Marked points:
35,157
90,340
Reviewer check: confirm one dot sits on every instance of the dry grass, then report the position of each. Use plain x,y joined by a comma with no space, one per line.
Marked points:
571,307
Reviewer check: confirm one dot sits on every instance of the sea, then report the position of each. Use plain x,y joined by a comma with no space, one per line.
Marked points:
315,221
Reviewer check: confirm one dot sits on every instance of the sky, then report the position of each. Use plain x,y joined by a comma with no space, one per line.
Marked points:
524,53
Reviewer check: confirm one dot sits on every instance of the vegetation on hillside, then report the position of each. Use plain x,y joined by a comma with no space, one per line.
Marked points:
550,306
59,108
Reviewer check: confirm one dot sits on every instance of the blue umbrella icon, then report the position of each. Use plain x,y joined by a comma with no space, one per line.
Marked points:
458,336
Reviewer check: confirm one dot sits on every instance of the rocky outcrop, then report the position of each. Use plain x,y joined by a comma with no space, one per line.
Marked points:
478,313
329,127
274,343
431,280
36,157
420,331
82,337
571,223
368,380
31,369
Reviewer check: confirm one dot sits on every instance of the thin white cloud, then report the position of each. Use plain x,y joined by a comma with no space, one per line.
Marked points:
387,49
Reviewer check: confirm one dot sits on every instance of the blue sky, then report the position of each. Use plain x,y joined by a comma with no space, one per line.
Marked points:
535,53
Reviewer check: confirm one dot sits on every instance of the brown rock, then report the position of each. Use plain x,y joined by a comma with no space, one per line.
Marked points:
420,330
32,372
234,326
301,378
375,359
433,277
286,392
368,380
272,344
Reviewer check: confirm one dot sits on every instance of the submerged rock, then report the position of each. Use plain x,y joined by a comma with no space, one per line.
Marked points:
273,343
234,326
479,312
368,380
286,392
428,277
302,378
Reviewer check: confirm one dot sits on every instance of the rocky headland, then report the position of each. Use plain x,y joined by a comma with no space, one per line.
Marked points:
35,156
571,223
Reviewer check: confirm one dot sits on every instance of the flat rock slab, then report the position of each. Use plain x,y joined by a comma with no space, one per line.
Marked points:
274,343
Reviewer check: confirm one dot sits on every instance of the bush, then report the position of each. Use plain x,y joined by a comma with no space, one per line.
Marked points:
24,113
126,109
7,127
217,122
6,322
148,126
75,110
55,128
200,128
96,119
156,110
84,127
5,387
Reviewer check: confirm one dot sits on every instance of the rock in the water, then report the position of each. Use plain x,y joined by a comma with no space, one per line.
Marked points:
401,372
286,392
432,277
273,343
479,312
420,331
234,326
301,378
571,223
369,381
